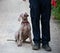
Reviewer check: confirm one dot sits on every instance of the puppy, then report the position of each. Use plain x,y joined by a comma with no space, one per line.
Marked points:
25,30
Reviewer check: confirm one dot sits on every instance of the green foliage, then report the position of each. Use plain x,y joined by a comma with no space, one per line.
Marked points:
56,11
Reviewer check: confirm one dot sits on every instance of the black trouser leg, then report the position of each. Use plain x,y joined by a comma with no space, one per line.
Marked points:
35,17
45,21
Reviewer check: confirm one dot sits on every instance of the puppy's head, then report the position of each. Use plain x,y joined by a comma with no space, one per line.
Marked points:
24,16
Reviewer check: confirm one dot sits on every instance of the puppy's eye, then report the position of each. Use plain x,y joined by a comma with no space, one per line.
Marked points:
26,15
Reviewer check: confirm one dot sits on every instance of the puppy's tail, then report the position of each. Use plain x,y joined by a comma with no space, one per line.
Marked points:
10,40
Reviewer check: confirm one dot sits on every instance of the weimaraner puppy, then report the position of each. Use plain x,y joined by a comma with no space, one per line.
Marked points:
25,30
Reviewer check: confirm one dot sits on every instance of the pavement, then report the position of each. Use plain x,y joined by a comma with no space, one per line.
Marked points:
9,13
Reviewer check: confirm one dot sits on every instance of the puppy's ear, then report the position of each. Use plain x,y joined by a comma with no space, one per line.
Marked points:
21,15
19,18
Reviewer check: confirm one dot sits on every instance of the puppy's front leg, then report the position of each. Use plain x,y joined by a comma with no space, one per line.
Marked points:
20,39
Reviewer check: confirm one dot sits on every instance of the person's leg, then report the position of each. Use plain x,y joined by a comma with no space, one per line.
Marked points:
45,21
35,17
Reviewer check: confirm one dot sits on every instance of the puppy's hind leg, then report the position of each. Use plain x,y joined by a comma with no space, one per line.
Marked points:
30,38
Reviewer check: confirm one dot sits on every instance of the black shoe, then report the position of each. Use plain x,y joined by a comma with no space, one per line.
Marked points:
46,47
36,47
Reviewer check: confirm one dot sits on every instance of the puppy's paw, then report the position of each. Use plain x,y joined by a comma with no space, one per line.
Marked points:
19,44
31,42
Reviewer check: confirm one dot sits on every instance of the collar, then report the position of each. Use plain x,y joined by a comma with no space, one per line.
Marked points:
25,22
